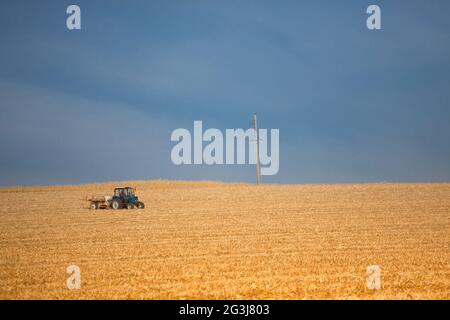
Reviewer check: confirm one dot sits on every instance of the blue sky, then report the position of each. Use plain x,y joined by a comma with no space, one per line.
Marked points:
99,104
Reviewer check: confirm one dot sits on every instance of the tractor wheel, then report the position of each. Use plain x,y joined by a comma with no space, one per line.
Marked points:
115,205
141,205
130,206
94,206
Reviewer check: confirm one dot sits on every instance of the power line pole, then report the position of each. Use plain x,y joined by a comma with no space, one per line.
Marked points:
255,127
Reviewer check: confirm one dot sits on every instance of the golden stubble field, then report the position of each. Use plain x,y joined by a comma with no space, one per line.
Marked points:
228,241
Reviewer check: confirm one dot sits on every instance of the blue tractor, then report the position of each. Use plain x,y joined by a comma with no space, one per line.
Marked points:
125,197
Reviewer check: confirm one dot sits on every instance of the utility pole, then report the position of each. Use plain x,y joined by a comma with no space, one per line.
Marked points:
255,127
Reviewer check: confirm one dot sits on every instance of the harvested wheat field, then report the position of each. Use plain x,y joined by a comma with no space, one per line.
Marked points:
228,241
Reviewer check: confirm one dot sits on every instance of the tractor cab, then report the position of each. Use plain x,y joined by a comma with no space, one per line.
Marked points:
126,192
